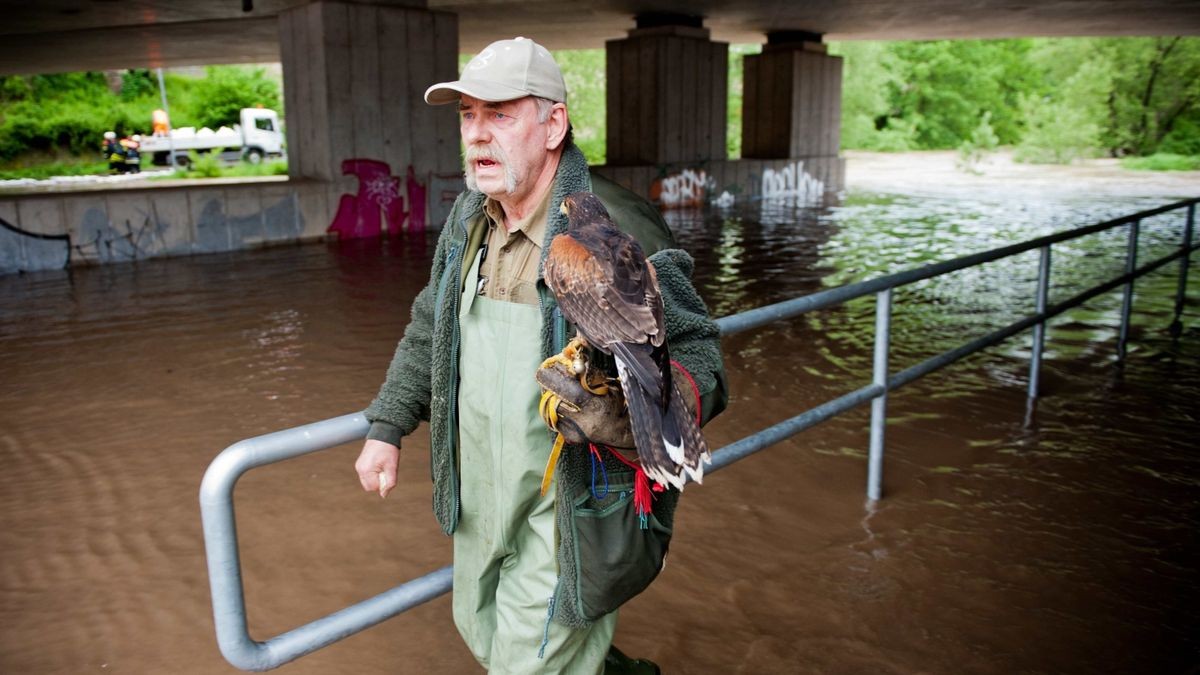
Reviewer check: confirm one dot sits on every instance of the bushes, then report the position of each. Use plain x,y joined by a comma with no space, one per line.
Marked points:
982,141
221,95
209,166
1163,161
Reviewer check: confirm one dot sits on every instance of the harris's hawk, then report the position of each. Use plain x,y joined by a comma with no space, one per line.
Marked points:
607,288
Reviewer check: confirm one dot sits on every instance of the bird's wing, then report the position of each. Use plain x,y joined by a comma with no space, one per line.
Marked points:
603,290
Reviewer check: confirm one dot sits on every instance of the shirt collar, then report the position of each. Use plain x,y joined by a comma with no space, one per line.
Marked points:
533,226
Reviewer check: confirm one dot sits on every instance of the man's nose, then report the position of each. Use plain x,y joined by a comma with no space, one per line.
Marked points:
474,131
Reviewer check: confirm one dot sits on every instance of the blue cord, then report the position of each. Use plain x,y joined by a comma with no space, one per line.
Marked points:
546,627
604,471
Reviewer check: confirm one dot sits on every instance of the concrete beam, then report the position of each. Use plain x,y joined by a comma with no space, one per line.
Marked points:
145,46
63,35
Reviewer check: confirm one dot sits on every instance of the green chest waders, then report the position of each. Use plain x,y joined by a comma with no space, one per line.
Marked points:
504,547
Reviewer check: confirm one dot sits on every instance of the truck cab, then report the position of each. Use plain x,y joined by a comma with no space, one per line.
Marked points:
261,135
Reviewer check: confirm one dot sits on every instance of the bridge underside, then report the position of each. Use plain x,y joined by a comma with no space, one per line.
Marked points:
63,35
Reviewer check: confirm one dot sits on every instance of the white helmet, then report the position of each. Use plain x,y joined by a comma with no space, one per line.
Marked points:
110,135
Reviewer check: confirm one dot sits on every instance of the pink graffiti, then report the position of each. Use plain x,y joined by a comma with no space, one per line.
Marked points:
378,196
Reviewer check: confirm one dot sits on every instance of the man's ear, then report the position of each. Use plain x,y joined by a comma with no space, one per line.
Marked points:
558,123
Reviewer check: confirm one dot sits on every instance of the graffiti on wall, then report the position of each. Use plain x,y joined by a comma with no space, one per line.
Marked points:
379,196
95,238
684,189
792,182
98,240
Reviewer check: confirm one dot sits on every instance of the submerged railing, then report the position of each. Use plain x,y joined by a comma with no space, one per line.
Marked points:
216,491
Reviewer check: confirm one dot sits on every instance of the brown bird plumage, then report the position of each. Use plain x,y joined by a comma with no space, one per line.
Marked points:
607,288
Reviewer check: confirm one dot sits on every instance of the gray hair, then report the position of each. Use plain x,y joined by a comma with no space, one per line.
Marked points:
544,106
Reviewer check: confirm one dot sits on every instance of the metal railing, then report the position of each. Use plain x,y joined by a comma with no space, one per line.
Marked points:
216,490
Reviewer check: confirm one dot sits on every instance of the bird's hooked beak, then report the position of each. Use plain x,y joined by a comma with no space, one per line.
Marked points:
566,207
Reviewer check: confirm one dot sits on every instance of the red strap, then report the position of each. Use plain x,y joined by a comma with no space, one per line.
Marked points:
695,390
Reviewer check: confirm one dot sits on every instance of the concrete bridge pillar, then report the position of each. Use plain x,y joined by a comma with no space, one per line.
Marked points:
666,93
354,76
792,99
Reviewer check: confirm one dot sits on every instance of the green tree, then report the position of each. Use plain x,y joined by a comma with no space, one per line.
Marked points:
945,86
1155,89
870,73
218,99
1064,121
137,84
735,99
584,72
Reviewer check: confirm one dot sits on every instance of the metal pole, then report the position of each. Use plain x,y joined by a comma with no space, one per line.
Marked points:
162,91
1039,331
1181,292
1127,300
883,321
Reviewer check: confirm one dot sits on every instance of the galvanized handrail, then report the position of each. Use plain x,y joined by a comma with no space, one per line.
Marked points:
216,490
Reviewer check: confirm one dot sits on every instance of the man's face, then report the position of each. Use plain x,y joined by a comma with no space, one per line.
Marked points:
505,146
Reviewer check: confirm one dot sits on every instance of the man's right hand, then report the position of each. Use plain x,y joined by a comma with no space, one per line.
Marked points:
376,466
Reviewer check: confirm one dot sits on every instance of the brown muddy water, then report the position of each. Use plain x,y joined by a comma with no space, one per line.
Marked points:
1055,539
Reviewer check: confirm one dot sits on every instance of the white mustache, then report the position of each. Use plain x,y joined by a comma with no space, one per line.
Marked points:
488,152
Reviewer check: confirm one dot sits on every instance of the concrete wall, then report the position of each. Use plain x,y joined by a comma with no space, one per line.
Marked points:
54,230
803,181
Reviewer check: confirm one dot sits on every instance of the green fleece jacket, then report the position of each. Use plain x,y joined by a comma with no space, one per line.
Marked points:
422,381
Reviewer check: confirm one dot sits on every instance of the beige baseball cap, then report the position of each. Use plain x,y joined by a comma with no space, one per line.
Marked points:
505,70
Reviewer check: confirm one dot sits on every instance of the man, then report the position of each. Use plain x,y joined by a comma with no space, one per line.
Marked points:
480,330
113,152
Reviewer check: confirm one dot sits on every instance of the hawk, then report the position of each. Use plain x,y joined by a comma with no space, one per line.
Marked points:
607,288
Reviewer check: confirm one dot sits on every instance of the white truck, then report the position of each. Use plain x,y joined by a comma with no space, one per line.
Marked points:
258,136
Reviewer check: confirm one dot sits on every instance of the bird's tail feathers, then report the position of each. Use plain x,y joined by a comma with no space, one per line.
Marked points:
694,453
645,420
638,362
669,445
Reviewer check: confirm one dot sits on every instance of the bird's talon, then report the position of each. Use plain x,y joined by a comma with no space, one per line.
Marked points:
557,359
600,390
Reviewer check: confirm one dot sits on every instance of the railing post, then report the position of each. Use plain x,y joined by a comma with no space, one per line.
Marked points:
1039,331
883,324
1181,292
1127,299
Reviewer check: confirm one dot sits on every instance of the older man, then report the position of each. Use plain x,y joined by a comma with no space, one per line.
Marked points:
530,595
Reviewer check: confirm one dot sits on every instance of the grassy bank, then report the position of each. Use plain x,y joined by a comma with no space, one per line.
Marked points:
1162,161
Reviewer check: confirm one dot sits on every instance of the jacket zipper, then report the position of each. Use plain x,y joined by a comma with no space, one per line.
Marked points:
452,425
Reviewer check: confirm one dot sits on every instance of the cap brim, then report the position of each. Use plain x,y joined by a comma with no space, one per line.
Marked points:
450,92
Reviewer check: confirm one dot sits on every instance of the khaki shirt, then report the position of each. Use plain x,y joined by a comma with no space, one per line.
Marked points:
510,270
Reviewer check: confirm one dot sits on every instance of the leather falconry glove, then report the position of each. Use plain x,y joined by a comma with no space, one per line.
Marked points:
585,406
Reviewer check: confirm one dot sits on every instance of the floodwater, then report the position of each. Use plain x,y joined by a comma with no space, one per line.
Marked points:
1057,538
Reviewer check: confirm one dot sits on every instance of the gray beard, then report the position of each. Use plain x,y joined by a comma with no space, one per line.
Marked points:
510,177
